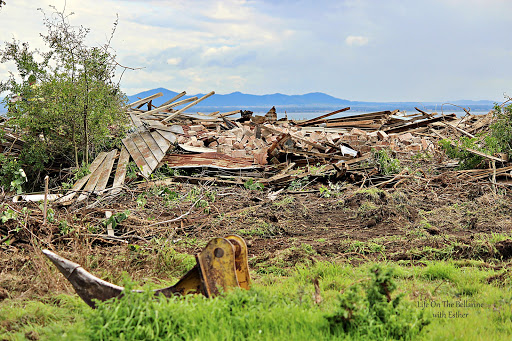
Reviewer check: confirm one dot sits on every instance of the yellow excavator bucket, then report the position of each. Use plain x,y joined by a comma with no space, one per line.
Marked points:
221,266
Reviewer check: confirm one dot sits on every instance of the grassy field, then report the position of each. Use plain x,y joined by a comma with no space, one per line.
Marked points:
442,300
425,261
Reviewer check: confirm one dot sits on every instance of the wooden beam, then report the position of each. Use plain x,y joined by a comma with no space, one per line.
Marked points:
162,143
178,96
153,146
168,106
145,151
144,100
188,106
313,120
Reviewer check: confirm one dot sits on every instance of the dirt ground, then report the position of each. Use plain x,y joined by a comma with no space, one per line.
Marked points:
419,220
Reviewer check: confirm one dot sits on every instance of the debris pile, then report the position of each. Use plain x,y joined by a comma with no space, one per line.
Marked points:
263,148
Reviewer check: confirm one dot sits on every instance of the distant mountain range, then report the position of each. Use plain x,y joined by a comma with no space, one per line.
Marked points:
311,102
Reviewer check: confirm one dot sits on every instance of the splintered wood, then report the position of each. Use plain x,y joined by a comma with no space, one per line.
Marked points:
266,149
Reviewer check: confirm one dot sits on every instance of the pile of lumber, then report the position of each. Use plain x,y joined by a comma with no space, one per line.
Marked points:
262,148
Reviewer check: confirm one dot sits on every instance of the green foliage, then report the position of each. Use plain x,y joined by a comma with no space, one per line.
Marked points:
164,172
298,184
387,164
239,315
74,107
8,214
500,137
64,228
468,160
12,176
253,186
370,312
325,191
116,219
57,318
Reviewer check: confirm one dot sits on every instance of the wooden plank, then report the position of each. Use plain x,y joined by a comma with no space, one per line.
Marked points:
188,106
153,146
124,158
110,230
144,100
105,173
93,180
173,129
153,123
136,121
168,106
81,182
136,156
178,96
162,143
145,151
356,124
313,120
167,135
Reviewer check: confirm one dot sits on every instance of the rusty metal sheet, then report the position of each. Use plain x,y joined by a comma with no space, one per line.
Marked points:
212,160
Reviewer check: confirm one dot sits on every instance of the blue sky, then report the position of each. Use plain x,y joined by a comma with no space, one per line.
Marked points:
366,50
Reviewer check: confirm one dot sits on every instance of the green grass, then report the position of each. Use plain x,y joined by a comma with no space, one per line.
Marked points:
281,307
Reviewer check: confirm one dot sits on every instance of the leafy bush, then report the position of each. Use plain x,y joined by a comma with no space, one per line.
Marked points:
498,139
12,176
467,159
370,312
64,100
387,164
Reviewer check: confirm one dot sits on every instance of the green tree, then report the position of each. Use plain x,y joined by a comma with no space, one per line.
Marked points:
65,100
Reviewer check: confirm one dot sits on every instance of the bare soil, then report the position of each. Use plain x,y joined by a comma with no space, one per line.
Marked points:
414,222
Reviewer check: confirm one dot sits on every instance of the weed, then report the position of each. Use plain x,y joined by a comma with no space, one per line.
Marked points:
141,200
366,210
132,170
116,219
164,172
372,193
285,201
440,270
264,230
325,192
298,184
370,312
8,214
253,186
387,164
64,227
365,247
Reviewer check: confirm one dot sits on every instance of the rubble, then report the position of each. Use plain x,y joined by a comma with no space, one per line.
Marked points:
270,151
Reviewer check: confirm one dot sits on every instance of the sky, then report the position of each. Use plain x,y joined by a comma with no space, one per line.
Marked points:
360,50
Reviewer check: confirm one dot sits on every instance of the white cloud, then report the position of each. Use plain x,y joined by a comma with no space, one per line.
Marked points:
356,40
173,61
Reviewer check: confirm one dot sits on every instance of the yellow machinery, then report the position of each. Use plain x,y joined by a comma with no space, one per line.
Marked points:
221,266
